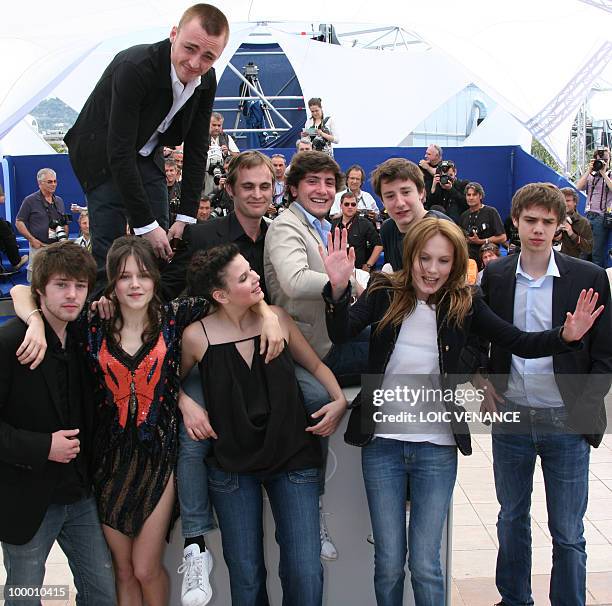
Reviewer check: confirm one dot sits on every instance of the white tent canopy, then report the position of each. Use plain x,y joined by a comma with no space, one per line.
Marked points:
537,60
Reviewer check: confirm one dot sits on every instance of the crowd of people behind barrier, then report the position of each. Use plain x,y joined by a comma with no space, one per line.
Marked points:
190,349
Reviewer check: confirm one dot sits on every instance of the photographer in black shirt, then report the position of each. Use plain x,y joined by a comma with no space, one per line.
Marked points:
447,191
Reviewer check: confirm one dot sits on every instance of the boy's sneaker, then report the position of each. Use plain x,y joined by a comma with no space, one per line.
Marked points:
196,567
328,549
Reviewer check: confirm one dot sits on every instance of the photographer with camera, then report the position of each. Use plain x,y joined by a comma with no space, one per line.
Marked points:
355,177
42,218
597,183
220,200
429,165
320,129
362,235
574,236
481,224
447,191
221,148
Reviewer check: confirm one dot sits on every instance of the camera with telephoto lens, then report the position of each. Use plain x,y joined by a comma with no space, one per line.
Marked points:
57,231
442,170
599,159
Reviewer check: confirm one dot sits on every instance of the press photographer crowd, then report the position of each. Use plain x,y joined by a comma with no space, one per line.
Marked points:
190,348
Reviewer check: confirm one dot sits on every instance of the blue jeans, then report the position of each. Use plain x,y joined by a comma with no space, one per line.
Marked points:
196,512
601,238
108,215
76,528
294,499
565,466
349,359
431,470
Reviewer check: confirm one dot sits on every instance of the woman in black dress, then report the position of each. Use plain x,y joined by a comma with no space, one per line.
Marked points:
261,431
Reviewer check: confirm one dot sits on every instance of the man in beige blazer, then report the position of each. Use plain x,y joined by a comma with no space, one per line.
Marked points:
294,271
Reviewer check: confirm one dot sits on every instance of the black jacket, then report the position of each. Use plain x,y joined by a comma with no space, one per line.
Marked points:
583,376
30,412
343,323
224,230
128,103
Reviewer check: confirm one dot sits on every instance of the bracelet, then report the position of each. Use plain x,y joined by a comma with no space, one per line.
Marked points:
31,314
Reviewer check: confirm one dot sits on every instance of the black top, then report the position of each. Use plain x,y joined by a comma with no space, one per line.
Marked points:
486,222
453,199
393,239
362,236
257,412
73,482
203,236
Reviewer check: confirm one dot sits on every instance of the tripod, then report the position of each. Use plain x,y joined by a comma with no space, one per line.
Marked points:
251,73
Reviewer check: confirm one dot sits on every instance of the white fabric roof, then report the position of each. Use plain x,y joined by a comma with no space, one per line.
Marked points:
537,60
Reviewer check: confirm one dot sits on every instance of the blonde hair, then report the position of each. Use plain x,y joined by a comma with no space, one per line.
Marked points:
454,294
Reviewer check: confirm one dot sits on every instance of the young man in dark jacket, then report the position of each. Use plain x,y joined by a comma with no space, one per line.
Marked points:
560,399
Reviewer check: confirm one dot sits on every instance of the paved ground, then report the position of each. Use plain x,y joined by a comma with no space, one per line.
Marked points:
474,538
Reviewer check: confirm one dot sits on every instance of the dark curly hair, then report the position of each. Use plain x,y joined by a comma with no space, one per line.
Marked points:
206,271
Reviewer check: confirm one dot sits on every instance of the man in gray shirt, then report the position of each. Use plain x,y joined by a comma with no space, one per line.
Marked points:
38,212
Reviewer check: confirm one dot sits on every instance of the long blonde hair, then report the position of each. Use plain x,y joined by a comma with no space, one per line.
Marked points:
455,296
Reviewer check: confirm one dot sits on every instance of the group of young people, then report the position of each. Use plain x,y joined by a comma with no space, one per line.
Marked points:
96,436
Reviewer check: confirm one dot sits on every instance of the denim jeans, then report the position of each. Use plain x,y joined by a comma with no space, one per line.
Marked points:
601,239
432,470
192,474
565,466
108,215
294,499
76,528
348,361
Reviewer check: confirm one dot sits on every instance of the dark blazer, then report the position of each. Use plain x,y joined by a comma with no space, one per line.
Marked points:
29,413
127,105
343,323
203,236
587,370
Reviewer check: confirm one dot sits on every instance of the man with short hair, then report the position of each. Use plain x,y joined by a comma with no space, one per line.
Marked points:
481,224
362,234
150,96
558,400
46,416
399,184
429,165
574,234
204,209
303,144
172,182
39,213
221,147
278,197
84,239
355,178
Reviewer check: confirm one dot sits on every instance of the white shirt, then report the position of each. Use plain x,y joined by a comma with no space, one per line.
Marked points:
364,202
532,382
181,93
414,359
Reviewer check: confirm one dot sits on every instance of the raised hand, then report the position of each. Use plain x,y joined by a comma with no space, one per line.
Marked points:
578,324
339,263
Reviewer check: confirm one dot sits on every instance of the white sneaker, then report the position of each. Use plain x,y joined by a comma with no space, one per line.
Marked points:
328,549
196,566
